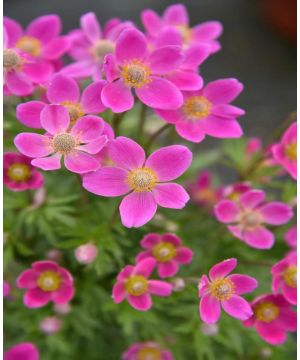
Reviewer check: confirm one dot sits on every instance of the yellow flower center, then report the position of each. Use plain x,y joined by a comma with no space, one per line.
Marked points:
75,111
10,59
266,311
149,353
64,143
186,33
290,276
196,107
222,289
291,151
19,172
142,179
102,48
250,220
136,74
30,45
49,281
164,251
136,285
207,195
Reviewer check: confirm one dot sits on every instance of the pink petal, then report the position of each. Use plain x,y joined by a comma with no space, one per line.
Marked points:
167,269
195,56
150,240
142,303
117,96
227,111
118,293
33,145
287,319
171,238
62,88
110,68
252,198
35,298
221,128
18,83
171,116
222,269
131,45
160,288
126,153
170,195
88,128
13,29
160,93
203,286
151,21
125,273
137,209
170,162
208,30
55,119
27,279
210,309
56,48
176,15
259,238
45,28
78,70
80,162
94,146
290,294
190,131
222,91
29,113
143,255
184,255
90,26
48,163
186,80
237,307
276,213
63,295
271,334
226,211
165,59
107,181
169,35
91,98
22,351
243,283
144,267
45,265
290,134
38,71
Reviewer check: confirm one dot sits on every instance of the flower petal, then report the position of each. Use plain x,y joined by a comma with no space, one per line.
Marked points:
290,294
167,269
159,288
63,295
62,88
79,69
190,131
171,195
13,30
18,83
88,128
208,30
131,45
165,59
29,113
55,119
222,91
118,293
80,162
271,334
259,238
38,71
90,27
221,127
125,273
195,56
151,21
226,211
33,145
210,309
276,213
237,307
150,240
45,265
35,298
27,279
94,146
91,98
48,163
142,303
56,48
222,269
184,255
117,96
186,80
45,28
176,15
243,283
171,238
144,267
252,198
227,111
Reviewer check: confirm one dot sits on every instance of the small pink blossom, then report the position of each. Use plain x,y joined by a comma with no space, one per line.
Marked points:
63,309
285,152
86,253
77,144
6,289
272,317
50,325
147,351
234,191
209,329
285,277
46,281
223,290
22,351
19,174
133,284
290,236
54,255
253,146
249,215
167,251
207,112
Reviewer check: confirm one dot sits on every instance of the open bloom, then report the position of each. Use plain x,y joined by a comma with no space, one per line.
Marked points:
285,277
132,66
285,152
167,251
145,181
290,236
63,90
223,290
249,215
207,112
273,318
148,350
22,351
77,144
19,174
46,281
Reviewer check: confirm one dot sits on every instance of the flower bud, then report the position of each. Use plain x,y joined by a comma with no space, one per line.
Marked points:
50,325
86,253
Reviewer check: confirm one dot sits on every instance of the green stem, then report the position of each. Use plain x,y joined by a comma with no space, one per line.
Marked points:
142,121
84,196
116,122
155,135
115,215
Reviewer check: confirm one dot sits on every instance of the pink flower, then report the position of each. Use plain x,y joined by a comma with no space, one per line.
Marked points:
285,152
63,90
167,251
90,45
46,281
19,174
234,191
249,215
77,144
272,317
285,277
224,291
207,112
132,66
144,180
147,351
50,325
134,285
86,253
6,289
290,236
253,146
24,351
63,309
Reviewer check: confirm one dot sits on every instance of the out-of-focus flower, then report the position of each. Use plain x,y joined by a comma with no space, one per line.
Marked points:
134,285
285,152
63,90
167,251
132,66
147,351
290,236
76,144
63,309
86,253
54,255
22,351
207,112
249,216
146,180
6,289
272,317
253,146
19,174
50,325
285,277
233,192
46,281
223,290
178,284
209,329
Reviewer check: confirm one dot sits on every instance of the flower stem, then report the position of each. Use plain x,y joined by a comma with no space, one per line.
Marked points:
114,216
116,122
155,135
142,121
